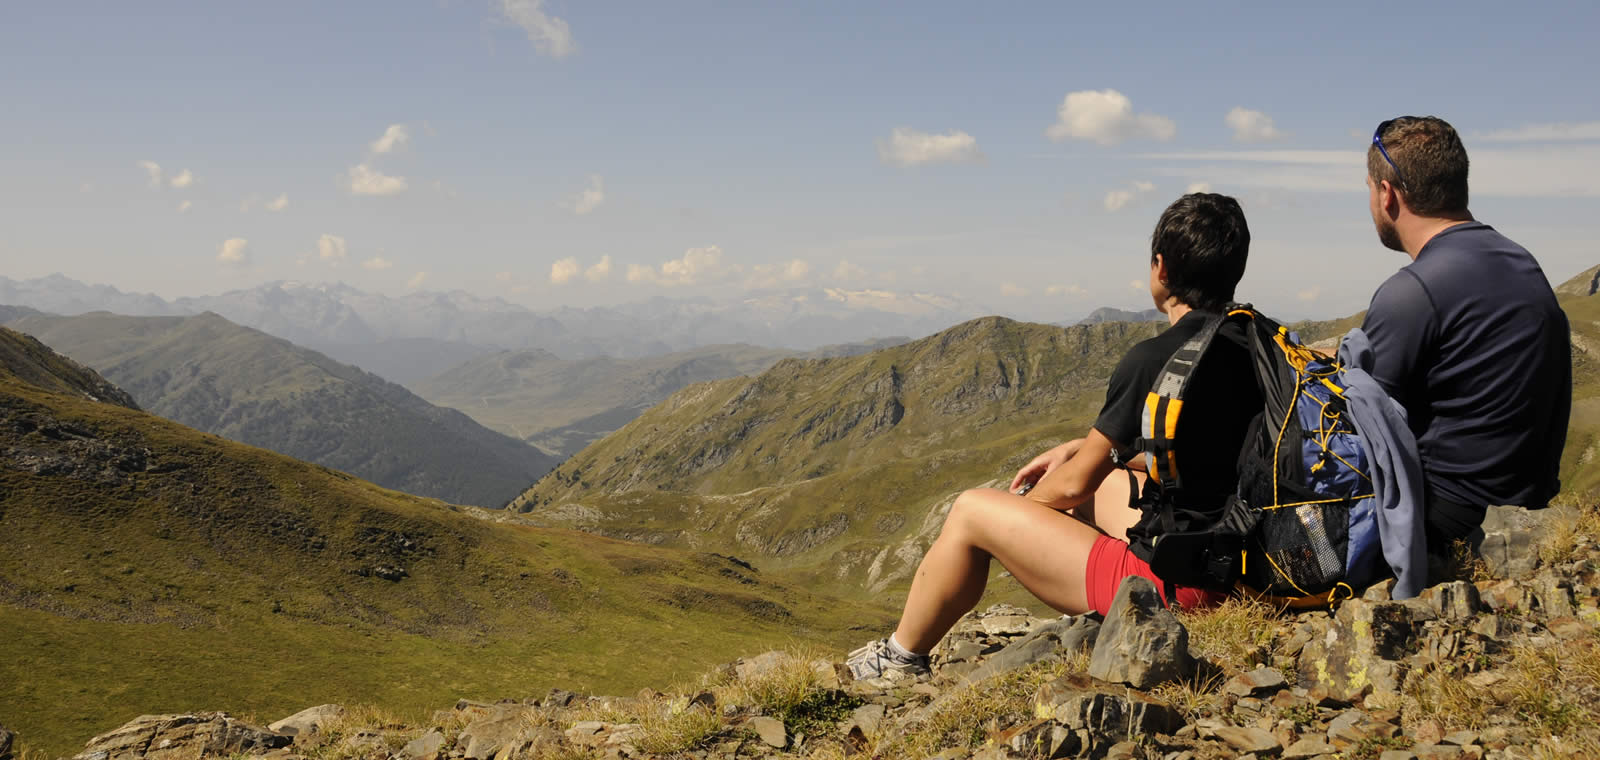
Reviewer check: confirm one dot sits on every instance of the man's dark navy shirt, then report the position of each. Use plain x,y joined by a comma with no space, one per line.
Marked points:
1470,340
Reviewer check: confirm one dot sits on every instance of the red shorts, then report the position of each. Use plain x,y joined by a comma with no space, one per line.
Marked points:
1110,561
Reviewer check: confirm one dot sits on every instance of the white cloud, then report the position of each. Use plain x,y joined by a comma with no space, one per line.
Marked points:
1310,294
279,203
848,272
416,280
1197,187
1106,117
1012,290
1064,290
1137,284
234,251
908,147
549,35
697,265
182,179
393,137
591,197
563,270
152,169
364,180
184,206
1115,200
1251,126
331,248
504,276
1566,131
796,269
377,264
774,275
600,271
1542,171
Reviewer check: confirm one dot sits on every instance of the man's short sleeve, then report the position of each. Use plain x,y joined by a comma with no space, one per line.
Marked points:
1125,397
1400,323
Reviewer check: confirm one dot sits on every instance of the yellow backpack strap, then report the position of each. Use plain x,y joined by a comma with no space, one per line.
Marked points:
1164,404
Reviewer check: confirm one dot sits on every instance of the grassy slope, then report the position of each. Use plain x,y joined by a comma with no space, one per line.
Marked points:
563,405
155,568
830,469
248,386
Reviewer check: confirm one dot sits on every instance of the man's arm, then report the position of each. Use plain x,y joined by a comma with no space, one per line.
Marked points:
1075,480
1400,324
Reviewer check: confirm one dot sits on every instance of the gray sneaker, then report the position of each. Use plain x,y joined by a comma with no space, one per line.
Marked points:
877,660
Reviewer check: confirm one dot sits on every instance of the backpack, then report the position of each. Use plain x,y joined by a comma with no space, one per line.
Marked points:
1301,526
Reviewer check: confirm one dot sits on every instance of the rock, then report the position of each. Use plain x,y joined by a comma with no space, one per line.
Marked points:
1461,738
1361,653
424,747
864,723
1007,625
1438,752
1043,739
1255,683
308,721
1397,754
587,733
747,668
1427,732
1553,595
1510,542
483,738
1049,640
558,698
1353,727
1382,591
1078,702
1310,746
770,730
704,699
163,737
1247,739
1141,643
1457,600
7,738
622,737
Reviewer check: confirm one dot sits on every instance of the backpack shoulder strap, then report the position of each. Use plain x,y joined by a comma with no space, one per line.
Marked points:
1164,404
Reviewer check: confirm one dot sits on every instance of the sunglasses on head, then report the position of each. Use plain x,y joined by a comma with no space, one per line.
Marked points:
1377,139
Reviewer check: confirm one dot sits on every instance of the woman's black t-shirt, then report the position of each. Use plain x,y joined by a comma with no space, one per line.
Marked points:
1218,407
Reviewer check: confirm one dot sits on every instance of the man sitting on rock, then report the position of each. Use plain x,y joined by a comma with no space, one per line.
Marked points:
1468,337
1068,539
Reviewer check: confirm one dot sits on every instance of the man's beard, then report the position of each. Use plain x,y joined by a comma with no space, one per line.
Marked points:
1389,235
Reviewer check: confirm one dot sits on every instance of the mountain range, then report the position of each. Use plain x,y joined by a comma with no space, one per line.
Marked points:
422,334
151,567
243,384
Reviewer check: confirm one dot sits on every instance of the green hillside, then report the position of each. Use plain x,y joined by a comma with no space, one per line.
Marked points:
211,374
153,568
837,469
563,405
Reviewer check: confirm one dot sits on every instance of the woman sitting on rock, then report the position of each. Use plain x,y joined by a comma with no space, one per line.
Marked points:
1066,530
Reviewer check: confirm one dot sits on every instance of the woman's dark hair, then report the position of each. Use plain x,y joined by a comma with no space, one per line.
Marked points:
1204,241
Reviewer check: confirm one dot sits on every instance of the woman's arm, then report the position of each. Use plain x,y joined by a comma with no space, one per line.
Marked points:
1075,480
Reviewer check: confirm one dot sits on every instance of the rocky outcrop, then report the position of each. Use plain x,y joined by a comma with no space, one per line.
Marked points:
178,737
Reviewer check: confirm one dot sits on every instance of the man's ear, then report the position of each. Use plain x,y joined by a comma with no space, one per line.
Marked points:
1389,198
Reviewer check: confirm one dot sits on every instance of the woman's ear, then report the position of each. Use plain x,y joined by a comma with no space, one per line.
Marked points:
1159,265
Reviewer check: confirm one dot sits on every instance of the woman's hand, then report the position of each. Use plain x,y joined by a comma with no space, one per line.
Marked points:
1034,471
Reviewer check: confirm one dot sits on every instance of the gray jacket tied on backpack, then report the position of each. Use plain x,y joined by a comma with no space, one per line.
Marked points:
1397,479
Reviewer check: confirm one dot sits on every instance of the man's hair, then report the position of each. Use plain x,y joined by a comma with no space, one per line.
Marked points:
1204,241
1432,162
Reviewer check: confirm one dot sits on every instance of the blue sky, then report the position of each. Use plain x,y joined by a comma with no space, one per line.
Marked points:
722,147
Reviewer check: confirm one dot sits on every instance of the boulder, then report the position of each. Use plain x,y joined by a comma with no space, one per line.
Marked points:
169,737
1108,713
865,723
1045,739
1456,600
1509,545
771,731
499,728
424,747
1051,640
308,721
1258,682
1249,739
1360,654
1141,643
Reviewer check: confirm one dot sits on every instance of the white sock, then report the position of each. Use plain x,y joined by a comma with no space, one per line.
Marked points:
900,651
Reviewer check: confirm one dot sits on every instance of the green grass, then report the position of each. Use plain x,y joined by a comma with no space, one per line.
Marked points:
217,576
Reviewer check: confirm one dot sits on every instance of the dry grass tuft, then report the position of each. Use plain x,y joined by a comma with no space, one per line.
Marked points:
1236,635
670,728
1194,697
1558,545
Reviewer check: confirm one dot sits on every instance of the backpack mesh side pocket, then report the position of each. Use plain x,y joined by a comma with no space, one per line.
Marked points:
1299,549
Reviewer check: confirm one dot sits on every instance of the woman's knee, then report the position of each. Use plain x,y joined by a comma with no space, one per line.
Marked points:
964,511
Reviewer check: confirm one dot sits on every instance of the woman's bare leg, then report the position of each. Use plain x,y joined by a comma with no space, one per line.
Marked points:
1109,510
1045,550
